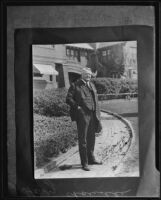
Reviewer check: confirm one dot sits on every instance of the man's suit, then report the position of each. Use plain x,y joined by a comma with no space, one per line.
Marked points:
87,117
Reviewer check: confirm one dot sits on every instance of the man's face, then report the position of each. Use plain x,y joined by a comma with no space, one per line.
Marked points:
86,76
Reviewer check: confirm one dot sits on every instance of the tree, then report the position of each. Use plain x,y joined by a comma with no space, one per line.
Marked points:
94,64
113,63
106,67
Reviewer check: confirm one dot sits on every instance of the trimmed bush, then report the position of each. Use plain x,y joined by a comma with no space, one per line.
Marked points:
102,97
50,102
115,86
52,136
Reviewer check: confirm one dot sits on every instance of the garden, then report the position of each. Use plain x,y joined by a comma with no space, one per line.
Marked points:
54,132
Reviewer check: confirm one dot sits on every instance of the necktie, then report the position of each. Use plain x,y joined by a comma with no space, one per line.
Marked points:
88,85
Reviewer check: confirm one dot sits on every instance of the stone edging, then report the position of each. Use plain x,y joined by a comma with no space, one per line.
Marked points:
128,124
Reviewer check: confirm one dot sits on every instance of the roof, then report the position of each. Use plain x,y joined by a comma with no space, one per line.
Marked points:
81,45
107,44
44,69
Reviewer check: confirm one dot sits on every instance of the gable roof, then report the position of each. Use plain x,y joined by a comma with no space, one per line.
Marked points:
81,45
107,44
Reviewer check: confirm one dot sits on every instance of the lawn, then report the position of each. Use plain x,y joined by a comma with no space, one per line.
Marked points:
120,106
126,108
129,110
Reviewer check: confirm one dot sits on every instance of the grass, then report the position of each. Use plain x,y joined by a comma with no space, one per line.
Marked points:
129,110
126,108
120,106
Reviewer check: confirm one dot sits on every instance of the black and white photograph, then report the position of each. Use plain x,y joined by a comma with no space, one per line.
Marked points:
85,110
81,86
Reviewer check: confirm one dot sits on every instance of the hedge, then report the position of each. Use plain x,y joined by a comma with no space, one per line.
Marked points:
50,102
115,86
52,136
118,96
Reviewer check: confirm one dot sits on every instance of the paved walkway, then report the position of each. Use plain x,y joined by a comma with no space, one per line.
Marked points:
112,147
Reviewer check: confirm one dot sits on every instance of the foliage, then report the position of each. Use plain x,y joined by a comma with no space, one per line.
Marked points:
115,86
52,136
112,62
50,102
117,96
93,62
112,68
105,66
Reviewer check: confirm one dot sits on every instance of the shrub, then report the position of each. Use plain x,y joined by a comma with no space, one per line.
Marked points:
52,136
102,97
115,86
50,102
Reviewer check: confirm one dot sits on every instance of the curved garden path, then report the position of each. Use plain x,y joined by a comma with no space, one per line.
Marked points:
112,147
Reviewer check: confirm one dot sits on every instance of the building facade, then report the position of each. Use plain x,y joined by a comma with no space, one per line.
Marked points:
61,64
57,66
117,56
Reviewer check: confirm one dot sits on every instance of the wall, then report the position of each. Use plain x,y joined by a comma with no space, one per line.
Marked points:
49,54
63,16
46,54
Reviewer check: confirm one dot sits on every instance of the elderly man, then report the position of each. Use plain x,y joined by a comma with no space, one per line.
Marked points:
84,109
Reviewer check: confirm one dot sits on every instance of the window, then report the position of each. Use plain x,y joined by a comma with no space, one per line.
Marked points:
82,52
103,53
108,52
75,53
68,52
78,57
72,52
37,75
51,77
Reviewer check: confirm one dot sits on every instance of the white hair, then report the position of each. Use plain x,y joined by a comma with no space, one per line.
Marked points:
86,70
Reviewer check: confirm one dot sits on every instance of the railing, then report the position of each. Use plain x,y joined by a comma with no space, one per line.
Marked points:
102,97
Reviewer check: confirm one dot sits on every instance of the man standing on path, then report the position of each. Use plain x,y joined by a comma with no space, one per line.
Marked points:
84,109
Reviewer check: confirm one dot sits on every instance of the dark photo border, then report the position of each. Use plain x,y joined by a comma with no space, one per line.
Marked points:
24,39
26,186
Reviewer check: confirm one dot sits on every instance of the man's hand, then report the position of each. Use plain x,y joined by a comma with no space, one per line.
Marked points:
99,127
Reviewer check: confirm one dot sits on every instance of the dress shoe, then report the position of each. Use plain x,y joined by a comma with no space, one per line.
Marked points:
95,162
86,168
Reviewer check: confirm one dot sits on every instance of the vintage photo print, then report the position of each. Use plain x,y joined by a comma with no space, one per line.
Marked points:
85,110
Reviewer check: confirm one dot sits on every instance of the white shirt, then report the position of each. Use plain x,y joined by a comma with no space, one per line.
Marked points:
86,83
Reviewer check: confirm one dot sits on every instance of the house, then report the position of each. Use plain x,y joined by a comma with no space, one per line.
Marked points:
114,55
130,59
58,65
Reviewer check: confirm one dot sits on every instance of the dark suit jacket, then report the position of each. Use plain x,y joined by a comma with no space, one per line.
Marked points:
78,95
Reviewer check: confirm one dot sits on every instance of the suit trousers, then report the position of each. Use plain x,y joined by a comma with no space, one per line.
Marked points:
86,135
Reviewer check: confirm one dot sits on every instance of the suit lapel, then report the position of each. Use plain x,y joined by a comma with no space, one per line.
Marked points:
85,90
83,87
93,89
